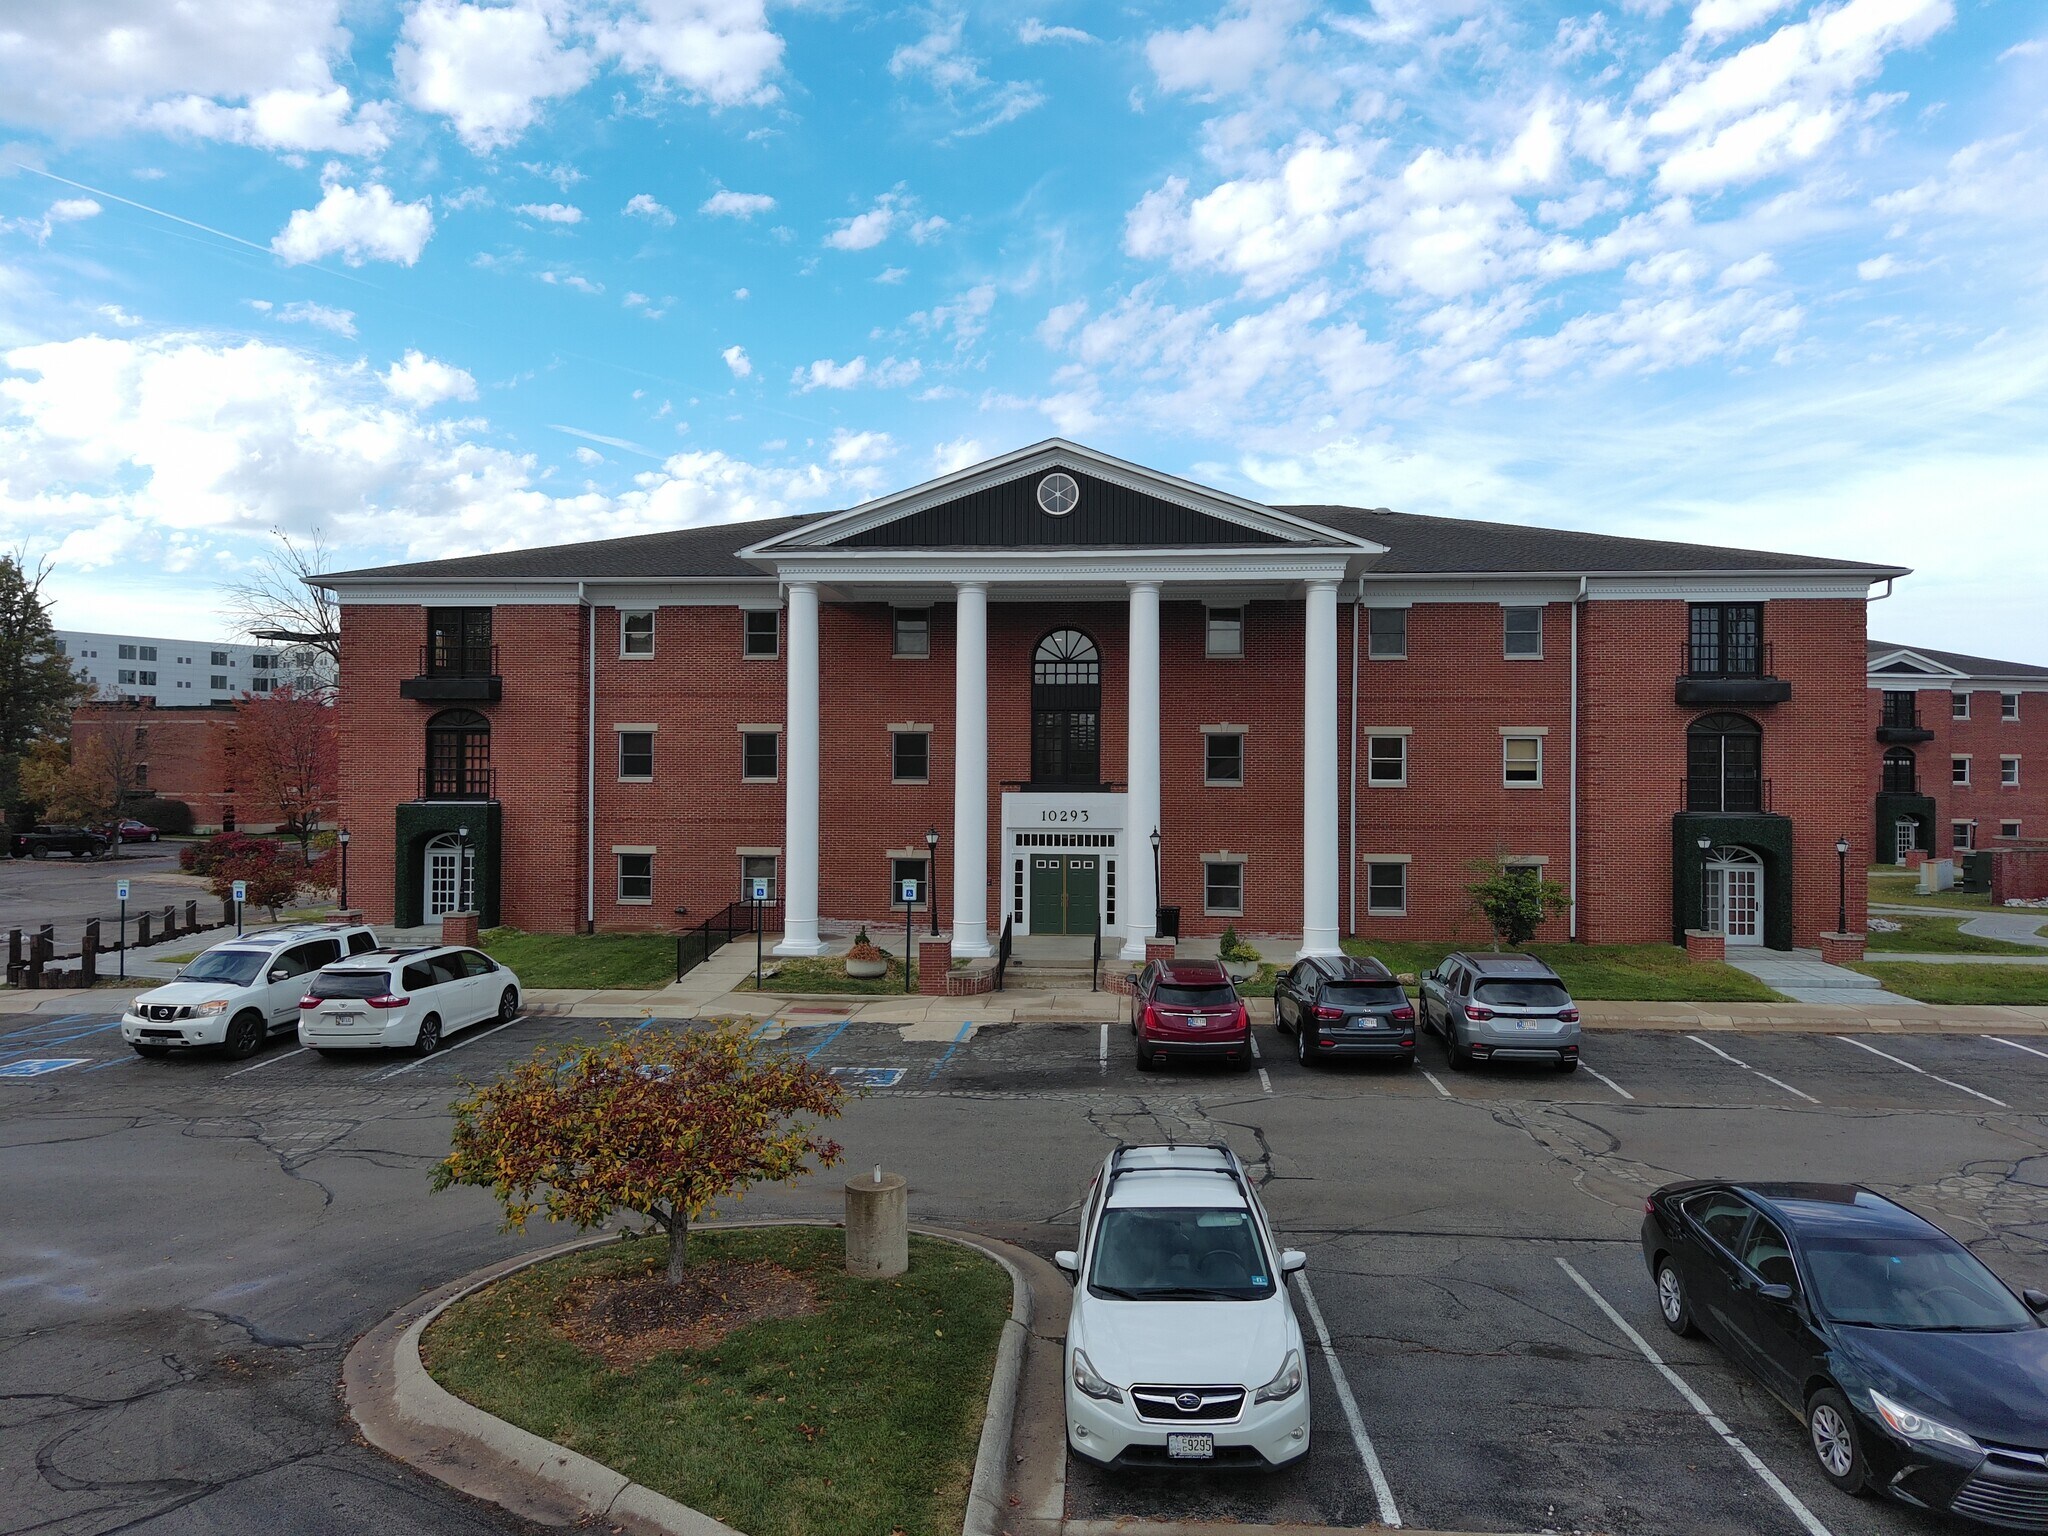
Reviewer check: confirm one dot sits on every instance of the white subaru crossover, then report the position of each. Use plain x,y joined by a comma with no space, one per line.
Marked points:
1182,1348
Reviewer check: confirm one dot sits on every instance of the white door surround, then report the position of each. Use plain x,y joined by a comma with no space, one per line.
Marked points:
448,877
1734,879
1038,821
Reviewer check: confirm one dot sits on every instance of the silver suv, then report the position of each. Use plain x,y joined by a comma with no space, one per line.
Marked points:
241,991
1501,1008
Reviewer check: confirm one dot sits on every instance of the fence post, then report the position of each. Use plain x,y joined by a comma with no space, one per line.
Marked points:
191,917
88,954
14,957
38,955
142,930
170,920
227,911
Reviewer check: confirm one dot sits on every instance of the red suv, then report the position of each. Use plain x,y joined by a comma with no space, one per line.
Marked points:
1188,1008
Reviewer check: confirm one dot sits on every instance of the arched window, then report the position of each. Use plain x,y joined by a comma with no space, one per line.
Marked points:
1898,771
458,757
1724,764
1066,710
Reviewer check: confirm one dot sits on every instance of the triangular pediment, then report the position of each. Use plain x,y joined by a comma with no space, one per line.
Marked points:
1908,664
1058,495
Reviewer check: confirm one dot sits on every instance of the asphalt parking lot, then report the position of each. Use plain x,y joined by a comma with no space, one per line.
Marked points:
68,892
193,1242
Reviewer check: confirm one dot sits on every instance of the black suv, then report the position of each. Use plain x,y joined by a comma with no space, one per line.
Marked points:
1335,1005
41,842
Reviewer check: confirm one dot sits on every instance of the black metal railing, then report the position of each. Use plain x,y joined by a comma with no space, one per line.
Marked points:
455,658
1003,948
458,784
1731,794
1733,658
1095,964
696,945
1901,712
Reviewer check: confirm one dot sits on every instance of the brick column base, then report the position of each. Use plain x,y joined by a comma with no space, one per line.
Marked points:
1841,948
934,965
1915,857
459,928
1701,947
1158,949
350,915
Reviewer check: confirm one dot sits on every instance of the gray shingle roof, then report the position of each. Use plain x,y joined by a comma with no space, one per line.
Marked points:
1969,666
1417,546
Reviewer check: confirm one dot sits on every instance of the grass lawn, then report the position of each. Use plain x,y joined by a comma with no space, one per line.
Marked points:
862,1417
1940,936
827,973
1900,891
1261,985
584,959
1598,973
1961,984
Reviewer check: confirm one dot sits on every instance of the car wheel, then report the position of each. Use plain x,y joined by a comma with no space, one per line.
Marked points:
1461,1061
1145,1062
428,1040
1244,1061
153,1052
39,852
508,1005
1831,1436
1304,1049
1671,1302
245,1035
1407,1061
1568,1064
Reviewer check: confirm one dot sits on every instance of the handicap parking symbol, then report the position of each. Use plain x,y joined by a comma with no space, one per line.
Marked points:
41,1065
870,1077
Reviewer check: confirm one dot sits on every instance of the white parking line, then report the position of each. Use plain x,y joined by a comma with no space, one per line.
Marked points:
1439,1087
1102,1051
1389,1515
1696,1040
2030,1050
1888,1056
273,1061
423,1060
1610,1082
1771,1481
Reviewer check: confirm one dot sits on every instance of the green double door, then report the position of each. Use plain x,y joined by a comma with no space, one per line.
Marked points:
1065,890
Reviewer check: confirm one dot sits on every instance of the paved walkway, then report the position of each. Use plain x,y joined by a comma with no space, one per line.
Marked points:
1804,977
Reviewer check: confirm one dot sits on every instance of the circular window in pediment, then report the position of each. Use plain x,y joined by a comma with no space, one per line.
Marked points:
1058,494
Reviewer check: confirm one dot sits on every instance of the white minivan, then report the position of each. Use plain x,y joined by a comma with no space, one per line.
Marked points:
405,999
241,991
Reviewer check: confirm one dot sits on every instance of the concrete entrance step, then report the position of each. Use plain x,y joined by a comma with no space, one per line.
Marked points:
1803,976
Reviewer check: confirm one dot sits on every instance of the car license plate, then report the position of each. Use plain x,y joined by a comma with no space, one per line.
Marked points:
1532,1024
1191,1447
344,1018
1368,1022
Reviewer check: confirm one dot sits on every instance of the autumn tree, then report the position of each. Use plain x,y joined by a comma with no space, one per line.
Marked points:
91,780
658,1124
38,688
287,753
274,601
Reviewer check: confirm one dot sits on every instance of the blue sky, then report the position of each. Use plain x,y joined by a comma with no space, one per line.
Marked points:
440,277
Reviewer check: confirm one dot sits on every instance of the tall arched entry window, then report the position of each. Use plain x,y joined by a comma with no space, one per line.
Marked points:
1724,764
1898,771
450,875
1066,710
458,757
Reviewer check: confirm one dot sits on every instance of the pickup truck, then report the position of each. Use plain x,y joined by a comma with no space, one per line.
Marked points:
41,842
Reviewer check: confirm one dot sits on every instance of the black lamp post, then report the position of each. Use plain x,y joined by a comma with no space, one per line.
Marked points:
931,874
1841,885
463,884
341,841
1706,845
1155,881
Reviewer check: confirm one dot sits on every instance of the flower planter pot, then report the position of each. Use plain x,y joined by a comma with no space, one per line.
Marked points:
1241,970
867,970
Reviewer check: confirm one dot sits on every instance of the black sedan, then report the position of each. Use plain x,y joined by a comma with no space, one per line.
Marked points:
1917,1373
1335,1005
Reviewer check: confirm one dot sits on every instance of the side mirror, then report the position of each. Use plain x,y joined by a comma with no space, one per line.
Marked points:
1069,1263
1775,1292
1429,975
278,973
1292,1261
2037,1301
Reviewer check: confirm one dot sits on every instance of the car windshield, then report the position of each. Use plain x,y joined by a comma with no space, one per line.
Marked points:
1193,997
1523,994
1180,1254
1925,1284
349,984
235,965
1360,994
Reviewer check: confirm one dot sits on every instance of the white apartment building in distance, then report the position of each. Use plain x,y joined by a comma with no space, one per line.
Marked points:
174,672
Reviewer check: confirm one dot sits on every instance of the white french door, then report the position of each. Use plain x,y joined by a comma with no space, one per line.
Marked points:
1905,838
450,878
1734,895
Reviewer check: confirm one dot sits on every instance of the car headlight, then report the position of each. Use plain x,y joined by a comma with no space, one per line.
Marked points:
1089,1384
1285,1383
1917,1426
135,1004
205,1008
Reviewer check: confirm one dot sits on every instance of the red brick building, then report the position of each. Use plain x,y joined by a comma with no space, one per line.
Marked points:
1314,720
182,753
1962,751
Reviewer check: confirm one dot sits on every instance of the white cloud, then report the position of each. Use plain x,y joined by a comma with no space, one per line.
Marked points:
892,274
924,231
965,318
737,361
421,381
641,206
489,69
342,322
574,280
735,205
114,314
1224,57
849,447
957,454
958,78
1031,30
1716,19
561,173
1877,267
359,226
864,231
718,51
826,374
66,210
550,213
297,121
588,456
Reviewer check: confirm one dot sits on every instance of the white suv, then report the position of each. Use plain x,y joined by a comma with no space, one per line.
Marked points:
1182,1348
240,991
410,999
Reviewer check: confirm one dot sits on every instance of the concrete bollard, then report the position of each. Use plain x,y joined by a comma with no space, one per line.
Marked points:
877,1225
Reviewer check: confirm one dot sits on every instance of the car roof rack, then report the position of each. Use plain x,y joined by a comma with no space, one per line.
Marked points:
1233,1165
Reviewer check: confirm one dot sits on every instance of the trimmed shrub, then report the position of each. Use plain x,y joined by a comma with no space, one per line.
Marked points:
172,817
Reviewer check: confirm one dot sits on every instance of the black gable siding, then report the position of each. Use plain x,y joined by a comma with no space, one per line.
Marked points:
1007,516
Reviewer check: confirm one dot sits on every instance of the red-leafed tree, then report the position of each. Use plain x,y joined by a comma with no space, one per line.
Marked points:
662,1125
288,755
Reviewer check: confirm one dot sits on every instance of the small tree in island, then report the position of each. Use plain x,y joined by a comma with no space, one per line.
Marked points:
1515,901
658,1124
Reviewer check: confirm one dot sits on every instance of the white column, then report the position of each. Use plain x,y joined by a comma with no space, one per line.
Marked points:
1319,772
800,778
1136,893
970,771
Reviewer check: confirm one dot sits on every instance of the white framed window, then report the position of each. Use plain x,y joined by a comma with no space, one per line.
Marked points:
903,866
760,634
913,632
1521,759
1386,759
2008,829
1223,755
1386,885
1522,633
1386,634
636,632
760,754
1959,769
2008,706
1223,885
636,754
756,866
1225,632
1959,706
636,876
1963,834
910,754
2009,772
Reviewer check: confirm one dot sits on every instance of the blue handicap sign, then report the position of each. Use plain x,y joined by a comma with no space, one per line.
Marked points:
120,890
870,1077
910,893
241,890
38,1066
761,891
